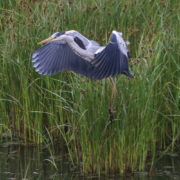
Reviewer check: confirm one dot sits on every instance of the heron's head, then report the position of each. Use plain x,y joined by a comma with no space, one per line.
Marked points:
53,37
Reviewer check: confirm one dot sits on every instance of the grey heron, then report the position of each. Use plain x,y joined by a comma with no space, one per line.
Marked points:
73,52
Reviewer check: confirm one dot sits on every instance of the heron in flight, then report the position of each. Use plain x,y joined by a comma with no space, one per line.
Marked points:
73,52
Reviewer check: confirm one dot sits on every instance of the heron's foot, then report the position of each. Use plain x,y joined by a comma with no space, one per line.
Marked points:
111,114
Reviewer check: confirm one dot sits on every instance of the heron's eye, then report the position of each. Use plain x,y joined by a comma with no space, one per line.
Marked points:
58,34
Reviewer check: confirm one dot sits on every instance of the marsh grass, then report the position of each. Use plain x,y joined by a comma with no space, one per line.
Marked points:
72,109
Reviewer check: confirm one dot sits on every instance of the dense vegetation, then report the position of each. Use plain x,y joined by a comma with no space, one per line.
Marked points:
73,110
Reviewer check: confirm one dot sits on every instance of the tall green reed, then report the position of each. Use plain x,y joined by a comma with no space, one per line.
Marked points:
72,109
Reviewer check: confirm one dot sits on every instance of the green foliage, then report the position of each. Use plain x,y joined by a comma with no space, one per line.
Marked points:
73,109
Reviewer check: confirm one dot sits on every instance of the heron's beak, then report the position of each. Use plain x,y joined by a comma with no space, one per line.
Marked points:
46,41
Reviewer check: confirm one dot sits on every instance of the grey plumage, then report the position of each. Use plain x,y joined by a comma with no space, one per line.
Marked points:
74,52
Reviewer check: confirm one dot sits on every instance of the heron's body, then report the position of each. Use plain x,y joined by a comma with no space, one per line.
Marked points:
74,52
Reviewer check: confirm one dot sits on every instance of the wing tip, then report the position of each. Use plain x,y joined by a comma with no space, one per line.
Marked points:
128,74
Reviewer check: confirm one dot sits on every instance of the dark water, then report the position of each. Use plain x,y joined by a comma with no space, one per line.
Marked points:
33,163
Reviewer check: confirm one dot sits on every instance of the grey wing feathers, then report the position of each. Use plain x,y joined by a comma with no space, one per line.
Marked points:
56,57
110,62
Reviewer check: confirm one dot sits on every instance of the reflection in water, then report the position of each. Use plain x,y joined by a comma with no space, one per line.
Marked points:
18,162
35,163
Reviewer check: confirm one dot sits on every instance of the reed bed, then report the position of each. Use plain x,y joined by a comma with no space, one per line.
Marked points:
73,110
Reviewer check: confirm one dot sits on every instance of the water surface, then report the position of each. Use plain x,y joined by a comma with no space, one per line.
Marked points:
32,163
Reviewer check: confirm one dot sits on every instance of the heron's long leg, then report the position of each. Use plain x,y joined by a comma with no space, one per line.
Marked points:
113,98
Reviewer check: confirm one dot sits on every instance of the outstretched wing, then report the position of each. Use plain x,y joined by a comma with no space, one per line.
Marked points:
110,62
58,56
90,60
